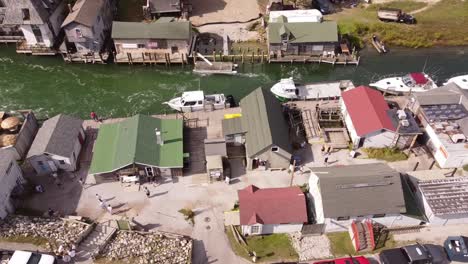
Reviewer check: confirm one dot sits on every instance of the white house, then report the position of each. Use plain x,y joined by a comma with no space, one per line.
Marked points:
11,180
444,116
272,210
57,145
39,21
304,15
372,124
341,195
442,196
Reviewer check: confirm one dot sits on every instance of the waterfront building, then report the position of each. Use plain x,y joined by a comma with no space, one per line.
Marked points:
271,210
138,146
372,124
11,181
164,41
17,131
57,145
87,29
263,130
441,198
8,33
342,195
294,40
39,21
443,112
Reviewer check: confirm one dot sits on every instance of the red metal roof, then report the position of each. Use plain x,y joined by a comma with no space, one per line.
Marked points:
367,109
272,205
419,77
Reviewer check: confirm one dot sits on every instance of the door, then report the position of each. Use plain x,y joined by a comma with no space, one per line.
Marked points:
37,33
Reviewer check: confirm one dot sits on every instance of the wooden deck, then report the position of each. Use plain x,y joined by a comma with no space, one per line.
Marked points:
334,60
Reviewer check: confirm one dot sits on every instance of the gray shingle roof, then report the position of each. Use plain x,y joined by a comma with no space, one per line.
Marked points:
304,32
156,30
5,160
263,119
84,12
57,136
360,190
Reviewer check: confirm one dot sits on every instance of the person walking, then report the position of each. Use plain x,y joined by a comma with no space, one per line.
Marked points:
102,204
99,197
94,116
147,192
109,209
326,161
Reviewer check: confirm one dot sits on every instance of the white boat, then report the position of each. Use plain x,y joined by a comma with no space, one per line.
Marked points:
461,81
197,101
415,82
286,90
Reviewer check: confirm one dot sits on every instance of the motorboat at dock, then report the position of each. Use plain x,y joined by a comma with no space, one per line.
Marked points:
193,101
287,89
411,83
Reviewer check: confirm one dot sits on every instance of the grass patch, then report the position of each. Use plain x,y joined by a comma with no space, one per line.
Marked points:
130,10
189,215
387,154
442,24
341,244
268,248
123,225
465,167
38,241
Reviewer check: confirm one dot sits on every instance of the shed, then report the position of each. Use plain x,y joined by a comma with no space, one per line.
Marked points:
215,147
214,167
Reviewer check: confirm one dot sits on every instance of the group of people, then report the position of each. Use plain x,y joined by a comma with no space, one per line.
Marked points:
66,253
326,151
103,204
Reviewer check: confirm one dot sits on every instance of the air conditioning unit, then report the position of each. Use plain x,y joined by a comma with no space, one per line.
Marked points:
405,123
401,114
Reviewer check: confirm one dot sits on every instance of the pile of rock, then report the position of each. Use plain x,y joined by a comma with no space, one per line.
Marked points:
55,230
147,248
311,247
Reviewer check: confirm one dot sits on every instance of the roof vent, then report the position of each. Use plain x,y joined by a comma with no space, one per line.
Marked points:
159,139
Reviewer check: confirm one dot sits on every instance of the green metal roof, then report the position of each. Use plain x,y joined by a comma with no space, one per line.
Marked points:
156,30
263,119
134,141
304,32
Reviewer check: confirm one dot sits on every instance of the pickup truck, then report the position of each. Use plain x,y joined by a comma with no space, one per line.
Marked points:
395,15
415,254
347,260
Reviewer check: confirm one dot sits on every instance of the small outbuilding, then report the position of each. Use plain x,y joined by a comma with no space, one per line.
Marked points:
17,132
215,152
57,145
138,146
272,210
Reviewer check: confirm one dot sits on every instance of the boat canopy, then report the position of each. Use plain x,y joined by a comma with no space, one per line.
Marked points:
287,85
193,96
419,78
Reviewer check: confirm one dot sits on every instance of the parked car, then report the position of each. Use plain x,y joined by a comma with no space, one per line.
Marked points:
25,257
348,260
457,248
415,254
395,15
325,6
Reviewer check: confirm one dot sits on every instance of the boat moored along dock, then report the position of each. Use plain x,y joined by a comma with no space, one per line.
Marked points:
378,44
287,89
217,67
193,101
415,82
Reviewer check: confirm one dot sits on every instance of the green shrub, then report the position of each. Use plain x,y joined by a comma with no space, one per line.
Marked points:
387,154
189,215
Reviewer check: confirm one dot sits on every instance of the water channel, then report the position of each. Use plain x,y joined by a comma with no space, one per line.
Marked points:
50,86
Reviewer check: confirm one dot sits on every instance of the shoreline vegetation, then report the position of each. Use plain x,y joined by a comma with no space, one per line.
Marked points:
442,24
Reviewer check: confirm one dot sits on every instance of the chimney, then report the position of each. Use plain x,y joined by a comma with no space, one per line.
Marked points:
70,9
159,139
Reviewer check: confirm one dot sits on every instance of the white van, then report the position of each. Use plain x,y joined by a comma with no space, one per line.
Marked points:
25,257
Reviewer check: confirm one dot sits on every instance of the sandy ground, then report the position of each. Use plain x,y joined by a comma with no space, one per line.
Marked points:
235,32
430,3
223,10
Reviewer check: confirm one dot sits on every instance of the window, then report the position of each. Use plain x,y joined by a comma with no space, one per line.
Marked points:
254,229
378,215
78,33
174,49
141,46
274,149
62,162
342,218
26,15
8,170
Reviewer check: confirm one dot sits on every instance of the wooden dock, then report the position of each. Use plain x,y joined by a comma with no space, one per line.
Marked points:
334,60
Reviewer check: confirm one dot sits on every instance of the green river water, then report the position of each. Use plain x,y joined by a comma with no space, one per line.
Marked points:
49,86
